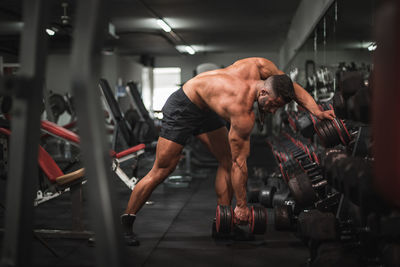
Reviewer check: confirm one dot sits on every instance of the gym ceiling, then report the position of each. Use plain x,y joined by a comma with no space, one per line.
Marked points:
210,26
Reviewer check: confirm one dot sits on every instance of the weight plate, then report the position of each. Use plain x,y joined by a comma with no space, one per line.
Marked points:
335,137
338,130
339,105
283,172
218,219
283,217
258,223
318,131
222,219
322,133
225,220
266,195
332,134
229,218
253,192
301,188
345,132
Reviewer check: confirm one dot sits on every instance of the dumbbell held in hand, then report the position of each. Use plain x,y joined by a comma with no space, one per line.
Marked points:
225,219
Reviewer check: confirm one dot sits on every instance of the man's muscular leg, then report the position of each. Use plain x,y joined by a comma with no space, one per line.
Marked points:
217,142
168,154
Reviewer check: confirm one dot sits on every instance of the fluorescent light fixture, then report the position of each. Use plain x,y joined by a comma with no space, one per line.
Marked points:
167,70
190,50
112,31
50,32
180,48
372,47
164,25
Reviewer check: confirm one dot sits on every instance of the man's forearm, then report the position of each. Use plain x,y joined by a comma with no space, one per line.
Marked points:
304,99
239,182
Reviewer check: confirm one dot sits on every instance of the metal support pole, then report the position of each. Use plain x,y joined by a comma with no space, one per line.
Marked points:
24,141
88,40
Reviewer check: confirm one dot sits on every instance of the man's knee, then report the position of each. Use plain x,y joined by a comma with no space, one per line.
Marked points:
160,174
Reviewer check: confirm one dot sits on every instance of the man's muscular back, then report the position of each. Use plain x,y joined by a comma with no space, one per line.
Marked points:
229,91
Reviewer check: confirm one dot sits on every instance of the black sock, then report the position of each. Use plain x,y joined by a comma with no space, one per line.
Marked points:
127,221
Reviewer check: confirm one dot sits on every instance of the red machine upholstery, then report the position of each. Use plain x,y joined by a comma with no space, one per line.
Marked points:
5,131
57,130
48,165
46,162
130,151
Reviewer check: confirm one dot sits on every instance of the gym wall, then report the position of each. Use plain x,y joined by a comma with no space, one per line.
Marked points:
189,63
113,67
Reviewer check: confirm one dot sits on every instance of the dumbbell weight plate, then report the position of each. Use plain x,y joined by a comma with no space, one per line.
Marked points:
258,223
339,105
228,219
283,172
310,166
336,138
332,136
266,195
323,135
280,196
334,126
301,188
283,215
253,192
224,219
344,131
218,218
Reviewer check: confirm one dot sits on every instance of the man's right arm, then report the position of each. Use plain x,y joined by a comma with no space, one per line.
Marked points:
239,139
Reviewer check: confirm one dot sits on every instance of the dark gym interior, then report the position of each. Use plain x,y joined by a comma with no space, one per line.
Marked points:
92,168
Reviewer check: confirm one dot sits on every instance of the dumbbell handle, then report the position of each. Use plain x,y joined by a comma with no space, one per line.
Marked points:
322,183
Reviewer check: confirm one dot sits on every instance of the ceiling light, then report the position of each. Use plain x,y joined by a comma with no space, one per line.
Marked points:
372,47
190,50
50,32
164,25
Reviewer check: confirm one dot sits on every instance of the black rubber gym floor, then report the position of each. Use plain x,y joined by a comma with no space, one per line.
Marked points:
175,230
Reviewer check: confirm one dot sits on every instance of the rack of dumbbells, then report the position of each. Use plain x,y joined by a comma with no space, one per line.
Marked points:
333,205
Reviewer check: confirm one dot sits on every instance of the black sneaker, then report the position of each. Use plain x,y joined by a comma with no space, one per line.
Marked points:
131,240
130,237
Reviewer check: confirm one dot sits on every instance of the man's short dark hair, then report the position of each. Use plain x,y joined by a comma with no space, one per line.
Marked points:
283,87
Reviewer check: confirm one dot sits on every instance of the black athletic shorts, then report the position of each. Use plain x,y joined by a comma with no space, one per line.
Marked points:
182,119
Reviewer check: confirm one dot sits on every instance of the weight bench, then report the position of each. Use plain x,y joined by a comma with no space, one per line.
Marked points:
62,181
53,173
118,158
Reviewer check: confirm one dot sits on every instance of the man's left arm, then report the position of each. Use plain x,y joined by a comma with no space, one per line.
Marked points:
304,99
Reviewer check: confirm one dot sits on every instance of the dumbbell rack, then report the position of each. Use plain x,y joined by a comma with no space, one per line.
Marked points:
331,181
